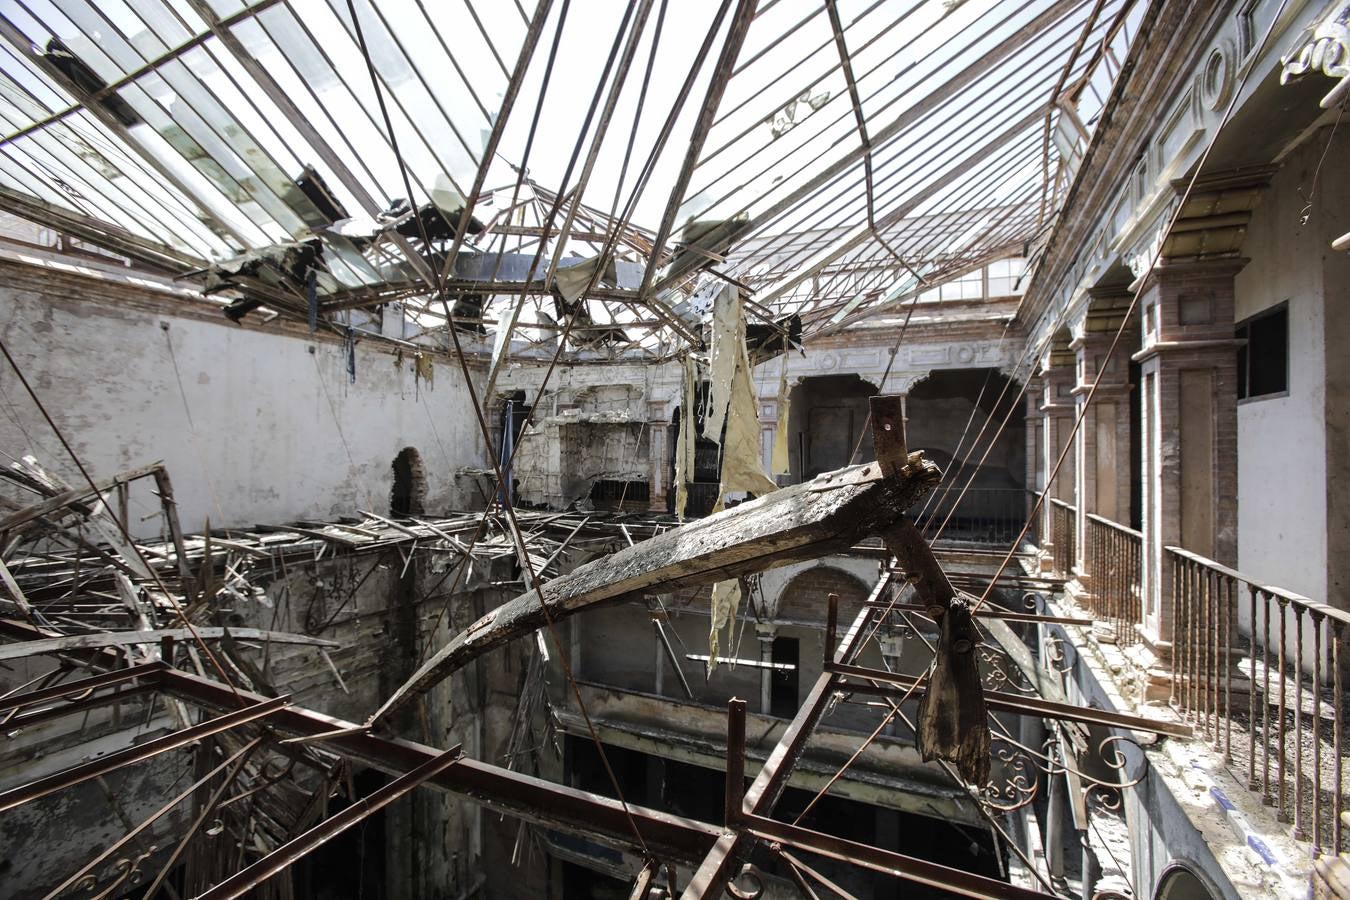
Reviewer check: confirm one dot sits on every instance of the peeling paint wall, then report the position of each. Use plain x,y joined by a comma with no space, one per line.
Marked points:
272,429
581,435
1291,447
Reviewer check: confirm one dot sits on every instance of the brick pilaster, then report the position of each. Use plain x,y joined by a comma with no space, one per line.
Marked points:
1102,444
1188,372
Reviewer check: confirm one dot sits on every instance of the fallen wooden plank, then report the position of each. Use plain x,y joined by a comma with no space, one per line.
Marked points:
805,521
73,495
130,638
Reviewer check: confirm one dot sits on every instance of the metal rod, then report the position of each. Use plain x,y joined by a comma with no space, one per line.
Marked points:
291,851
735,791
1016,703
116,760
156,816
502,790
207,808
722,862
886,861
18,701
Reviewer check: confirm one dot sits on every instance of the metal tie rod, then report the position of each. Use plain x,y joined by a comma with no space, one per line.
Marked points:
288,853
116,760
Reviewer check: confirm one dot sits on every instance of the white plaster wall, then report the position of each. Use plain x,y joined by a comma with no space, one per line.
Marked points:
276,432
1282,474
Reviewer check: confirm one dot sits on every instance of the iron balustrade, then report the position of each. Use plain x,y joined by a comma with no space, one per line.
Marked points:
1113,556
992,516
1234,636
1063,536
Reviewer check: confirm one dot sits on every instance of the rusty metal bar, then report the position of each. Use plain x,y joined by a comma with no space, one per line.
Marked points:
28,720
504,791
1015,703
207,809
887,862
156,816
117,676
116,760
288,853
722,861
721,76
642,885
735,794
674,660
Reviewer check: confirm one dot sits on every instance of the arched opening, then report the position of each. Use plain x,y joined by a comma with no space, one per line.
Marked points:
1181,883
828,420
797,644
409,493
945,414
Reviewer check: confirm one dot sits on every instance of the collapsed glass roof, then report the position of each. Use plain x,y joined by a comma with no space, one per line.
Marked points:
836,158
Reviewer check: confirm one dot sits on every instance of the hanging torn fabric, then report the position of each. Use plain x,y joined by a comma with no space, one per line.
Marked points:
742,452
426,369
501,341
571,281
728,344
778,463
726,596
684,443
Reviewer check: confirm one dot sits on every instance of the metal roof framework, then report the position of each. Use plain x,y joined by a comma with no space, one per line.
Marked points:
856,152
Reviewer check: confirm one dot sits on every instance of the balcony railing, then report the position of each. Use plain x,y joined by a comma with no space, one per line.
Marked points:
1261,672
1113,555
981,515
1063,536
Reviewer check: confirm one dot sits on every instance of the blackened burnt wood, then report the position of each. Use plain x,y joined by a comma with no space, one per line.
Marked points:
953,722
826,515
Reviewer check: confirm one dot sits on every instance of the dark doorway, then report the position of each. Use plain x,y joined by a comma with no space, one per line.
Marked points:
408,496
353,863
783,682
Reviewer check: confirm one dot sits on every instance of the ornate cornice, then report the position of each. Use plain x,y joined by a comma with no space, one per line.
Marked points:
1323,47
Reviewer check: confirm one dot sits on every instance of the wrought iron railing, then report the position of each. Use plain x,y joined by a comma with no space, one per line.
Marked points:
1261,673
1113,556
1063,536
980,515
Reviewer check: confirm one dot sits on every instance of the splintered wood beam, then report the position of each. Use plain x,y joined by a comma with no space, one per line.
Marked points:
826,515
74,496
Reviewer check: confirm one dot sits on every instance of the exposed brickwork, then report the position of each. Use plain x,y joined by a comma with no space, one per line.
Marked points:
1102,444
804,597
1190,449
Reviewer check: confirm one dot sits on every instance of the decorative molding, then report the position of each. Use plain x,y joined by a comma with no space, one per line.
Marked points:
1325,48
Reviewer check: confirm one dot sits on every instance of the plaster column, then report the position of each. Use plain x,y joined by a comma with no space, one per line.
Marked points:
658,426
766,634
1188,392
1102,444
1035,481
1057,411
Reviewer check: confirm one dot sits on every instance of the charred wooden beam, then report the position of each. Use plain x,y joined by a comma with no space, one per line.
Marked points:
953,722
